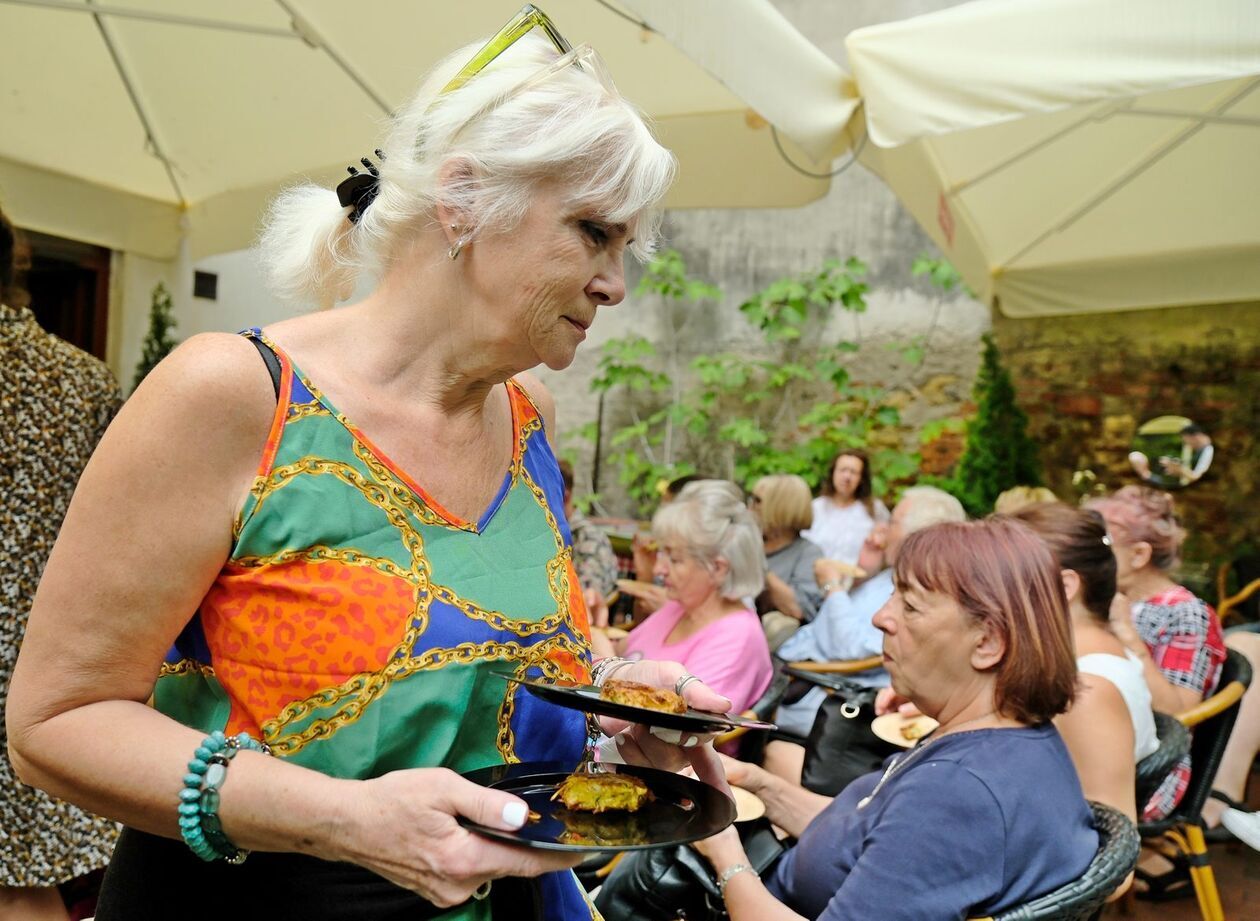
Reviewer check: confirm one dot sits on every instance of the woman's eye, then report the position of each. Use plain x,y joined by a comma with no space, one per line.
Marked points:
594,232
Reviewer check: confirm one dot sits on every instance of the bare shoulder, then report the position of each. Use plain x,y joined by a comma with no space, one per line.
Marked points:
542,398
206,407
1101,700
219,374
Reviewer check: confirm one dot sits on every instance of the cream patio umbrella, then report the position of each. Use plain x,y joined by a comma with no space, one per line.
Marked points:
1067,155
135,124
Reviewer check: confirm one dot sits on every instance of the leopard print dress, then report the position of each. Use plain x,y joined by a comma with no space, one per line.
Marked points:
55,402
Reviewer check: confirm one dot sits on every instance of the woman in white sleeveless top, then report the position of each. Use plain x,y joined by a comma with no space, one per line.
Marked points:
1110,727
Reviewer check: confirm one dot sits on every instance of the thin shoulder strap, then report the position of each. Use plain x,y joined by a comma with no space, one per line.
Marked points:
270,359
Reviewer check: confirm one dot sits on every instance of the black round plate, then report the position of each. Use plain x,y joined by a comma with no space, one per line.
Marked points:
684,809
585,697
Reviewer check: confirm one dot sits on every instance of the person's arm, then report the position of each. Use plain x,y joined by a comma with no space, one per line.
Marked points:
146,534
1098,732
1186,688
782,598
746,896
843,630
788,805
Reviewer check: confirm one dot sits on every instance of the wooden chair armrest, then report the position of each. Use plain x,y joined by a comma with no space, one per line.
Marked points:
732,734
1227,605
1223,699
840,666
602,872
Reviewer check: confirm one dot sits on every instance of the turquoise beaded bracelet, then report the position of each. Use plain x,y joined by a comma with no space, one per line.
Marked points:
199,799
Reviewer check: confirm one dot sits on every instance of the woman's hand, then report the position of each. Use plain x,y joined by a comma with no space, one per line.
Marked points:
889,701
402,826
1121,623
722,850
665,748
653,596
596,608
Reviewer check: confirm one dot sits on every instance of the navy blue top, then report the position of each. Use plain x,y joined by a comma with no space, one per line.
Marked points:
977,823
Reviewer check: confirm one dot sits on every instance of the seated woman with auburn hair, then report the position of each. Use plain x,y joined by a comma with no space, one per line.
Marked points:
983,814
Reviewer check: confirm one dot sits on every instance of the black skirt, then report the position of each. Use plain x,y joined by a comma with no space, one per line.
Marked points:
158,879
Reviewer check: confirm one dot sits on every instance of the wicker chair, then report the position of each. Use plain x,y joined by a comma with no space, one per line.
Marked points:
1174,742
1182,831
1118,848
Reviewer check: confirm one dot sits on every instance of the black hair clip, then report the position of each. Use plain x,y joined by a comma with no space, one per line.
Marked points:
358,190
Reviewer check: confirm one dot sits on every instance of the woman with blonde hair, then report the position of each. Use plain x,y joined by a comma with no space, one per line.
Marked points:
324,539
781,505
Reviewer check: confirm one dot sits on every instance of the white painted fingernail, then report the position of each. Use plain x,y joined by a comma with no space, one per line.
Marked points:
515,813
690,742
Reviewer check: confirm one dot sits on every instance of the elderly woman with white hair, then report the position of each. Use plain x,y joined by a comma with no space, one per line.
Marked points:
712,562
318,541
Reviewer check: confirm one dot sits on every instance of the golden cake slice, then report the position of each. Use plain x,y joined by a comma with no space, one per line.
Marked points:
635,694
602,792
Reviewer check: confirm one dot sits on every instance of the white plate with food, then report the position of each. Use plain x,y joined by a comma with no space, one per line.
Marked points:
901,730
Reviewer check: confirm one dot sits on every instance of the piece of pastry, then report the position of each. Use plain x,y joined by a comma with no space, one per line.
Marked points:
584,792
642,695
915,729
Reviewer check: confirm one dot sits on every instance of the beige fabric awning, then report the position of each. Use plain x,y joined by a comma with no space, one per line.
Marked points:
1070,156
128,124
1067,156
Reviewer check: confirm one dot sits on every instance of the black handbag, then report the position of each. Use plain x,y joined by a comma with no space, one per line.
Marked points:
841,746
673,883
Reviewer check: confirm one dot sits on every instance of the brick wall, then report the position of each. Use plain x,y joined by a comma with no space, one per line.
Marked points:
1088,382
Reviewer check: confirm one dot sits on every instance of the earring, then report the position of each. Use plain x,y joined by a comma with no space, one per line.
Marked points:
454,251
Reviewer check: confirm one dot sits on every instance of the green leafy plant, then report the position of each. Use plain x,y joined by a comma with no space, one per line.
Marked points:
786,411
159,342
998,452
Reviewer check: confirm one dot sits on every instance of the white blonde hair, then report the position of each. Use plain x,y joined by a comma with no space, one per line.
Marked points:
710,519
483,159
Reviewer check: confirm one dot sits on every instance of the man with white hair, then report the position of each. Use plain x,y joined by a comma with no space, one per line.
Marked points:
843,629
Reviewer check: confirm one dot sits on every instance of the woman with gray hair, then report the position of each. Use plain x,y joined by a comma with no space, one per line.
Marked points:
317,541
712,562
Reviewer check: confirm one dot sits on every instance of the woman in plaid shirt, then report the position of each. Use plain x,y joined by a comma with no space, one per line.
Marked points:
1176,634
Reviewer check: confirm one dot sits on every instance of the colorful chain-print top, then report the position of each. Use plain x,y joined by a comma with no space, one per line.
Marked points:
357,626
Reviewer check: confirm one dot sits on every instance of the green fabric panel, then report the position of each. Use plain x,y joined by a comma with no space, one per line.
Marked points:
321,510
498,569
193,699
444,736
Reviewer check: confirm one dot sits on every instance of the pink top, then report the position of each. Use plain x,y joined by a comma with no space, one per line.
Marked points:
730,655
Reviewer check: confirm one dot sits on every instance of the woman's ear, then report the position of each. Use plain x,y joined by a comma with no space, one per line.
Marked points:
989,650
720,569
1141,554
454,179
1071,583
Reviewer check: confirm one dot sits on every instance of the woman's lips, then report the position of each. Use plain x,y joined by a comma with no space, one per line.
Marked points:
577,324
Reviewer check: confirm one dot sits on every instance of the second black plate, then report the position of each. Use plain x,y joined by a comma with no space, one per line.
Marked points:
585,697
683,809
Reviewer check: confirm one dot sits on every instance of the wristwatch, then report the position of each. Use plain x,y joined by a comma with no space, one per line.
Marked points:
729,873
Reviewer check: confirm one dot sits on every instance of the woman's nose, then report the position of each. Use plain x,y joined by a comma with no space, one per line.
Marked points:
608,288
883,619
